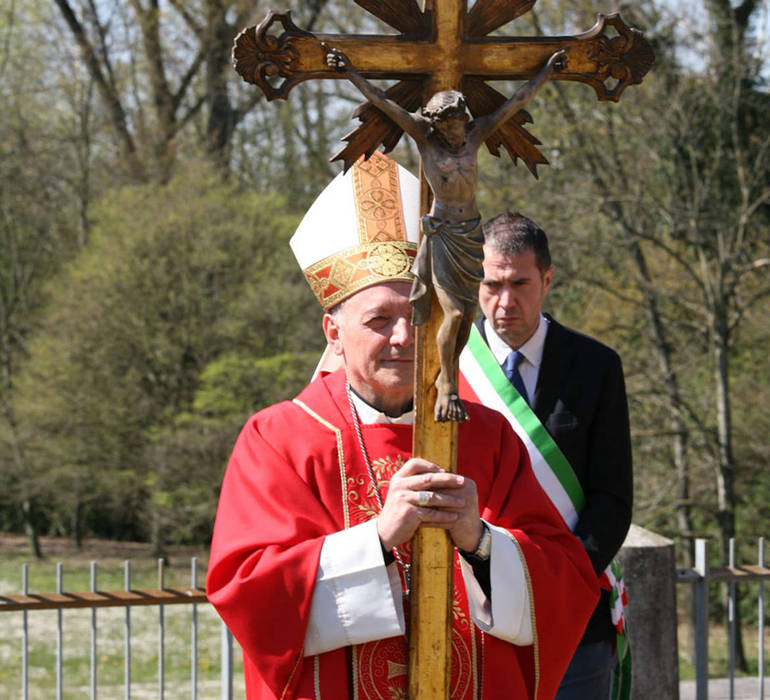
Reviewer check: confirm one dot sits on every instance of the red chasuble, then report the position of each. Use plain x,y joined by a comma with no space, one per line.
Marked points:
296,474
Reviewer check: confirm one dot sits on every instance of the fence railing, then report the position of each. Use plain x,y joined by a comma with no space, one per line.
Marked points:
127,598
701,576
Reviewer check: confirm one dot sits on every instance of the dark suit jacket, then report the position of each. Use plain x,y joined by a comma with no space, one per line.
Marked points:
580,398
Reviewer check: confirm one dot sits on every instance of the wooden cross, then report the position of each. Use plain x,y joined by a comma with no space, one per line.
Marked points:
441,46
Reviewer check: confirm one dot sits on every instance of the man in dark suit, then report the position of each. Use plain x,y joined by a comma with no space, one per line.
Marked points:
575,386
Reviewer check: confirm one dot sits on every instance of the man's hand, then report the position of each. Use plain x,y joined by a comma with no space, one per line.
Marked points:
336,59
422,493
467,531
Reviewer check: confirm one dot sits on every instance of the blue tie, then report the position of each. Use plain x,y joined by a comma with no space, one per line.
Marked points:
511,370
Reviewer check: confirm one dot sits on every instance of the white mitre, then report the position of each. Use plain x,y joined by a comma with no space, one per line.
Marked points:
361,230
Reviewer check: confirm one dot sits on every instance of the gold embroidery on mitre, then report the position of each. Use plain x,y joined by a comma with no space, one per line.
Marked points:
388,260
340,275
377,194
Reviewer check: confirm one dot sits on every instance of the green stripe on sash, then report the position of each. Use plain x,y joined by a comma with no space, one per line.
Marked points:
531,424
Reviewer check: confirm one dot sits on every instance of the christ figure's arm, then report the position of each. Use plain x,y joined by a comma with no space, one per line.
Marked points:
414,125
484,126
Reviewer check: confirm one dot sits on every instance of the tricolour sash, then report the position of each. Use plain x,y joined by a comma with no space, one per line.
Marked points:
485,381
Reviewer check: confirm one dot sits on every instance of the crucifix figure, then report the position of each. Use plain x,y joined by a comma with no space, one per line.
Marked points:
450,255
440,46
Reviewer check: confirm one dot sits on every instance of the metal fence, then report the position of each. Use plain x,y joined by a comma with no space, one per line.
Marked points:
701,577
127,598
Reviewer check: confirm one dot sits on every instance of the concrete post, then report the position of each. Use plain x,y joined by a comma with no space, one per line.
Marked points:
649,574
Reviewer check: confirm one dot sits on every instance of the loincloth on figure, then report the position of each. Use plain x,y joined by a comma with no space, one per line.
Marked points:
450,257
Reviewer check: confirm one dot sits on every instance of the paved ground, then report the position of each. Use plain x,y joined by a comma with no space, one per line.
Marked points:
719,689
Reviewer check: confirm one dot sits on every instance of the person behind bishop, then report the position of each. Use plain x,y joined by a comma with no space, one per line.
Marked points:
309,564
576,389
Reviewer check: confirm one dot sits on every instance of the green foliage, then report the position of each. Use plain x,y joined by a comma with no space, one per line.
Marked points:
235,385
174,278
189,456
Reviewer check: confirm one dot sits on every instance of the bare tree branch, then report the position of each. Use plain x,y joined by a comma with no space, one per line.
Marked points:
107,91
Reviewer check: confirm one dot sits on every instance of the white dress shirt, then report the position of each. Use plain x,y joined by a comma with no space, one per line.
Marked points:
357,598
531,351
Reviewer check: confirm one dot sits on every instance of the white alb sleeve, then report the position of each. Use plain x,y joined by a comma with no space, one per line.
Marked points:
356,598
508,615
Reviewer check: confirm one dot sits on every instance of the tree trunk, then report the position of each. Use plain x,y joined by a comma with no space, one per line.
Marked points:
221,120
726,466
27,505
77,530
31,528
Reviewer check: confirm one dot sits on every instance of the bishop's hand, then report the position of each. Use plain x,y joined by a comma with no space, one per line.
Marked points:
422,493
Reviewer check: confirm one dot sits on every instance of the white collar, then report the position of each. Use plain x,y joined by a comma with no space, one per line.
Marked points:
532,349
368,414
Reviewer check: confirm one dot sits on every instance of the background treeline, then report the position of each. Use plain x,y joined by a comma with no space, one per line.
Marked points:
149,301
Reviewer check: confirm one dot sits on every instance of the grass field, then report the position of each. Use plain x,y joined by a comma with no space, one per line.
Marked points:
719,652
111,622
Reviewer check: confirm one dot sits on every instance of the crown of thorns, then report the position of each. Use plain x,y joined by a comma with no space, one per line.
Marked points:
445,104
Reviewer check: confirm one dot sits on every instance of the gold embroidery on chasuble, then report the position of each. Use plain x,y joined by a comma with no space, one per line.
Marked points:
380,667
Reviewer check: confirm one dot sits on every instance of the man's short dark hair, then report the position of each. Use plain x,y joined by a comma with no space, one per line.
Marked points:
512,233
